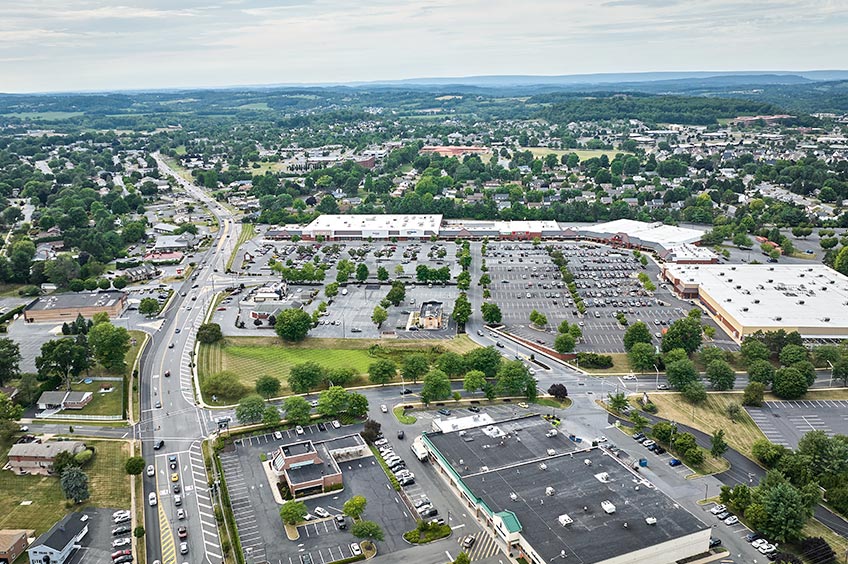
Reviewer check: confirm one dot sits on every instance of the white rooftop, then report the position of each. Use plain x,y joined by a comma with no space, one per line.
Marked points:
780,295
659,233
373,222
449,424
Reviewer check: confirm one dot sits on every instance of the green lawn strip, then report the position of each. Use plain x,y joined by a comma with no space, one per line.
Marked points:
400,413
105,403
427,533
108,485
552,402
620,365
389,475
244,235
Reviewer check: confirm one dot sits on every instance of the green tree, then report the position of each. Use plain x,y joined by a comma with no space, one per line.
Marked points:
436,387
718,446
382,372
761,371
271,415
209,333
639,422
451,364
792,354
513,378
617,402
461,310
63,358
378,316
694,392
538,319
135,465
491,313
680,373
292,512
397,293
249,409
636,333
305,377
767,452
223,385
462,558
357,405
840,263
355,507
486,359
148,307
753,394
753,350
297,410
74,484
110,345
368,530
642,357
733,411
786,512
663,431
138,532
789,383
382,274
840,371
683,334
414,366
710,354
333,401
10,358
564,343
721,375
268,386
474,380
362,272
331,290
293,325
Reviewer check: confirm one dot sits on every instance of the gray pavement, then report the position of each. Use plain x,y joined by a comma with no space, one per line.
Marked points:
786,422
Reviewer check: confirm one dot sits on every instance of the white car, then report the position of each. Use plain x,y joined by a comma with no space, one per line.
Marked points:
151,499
120,513
278,435
321,512
718,509
336,424
732,520
629,377
151,471
299,430
354,548
384,409
308,517
766,548
118,543
759,542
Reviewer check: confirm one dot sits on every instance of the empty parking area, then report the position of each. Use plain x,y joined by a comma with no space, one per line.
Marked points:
785,422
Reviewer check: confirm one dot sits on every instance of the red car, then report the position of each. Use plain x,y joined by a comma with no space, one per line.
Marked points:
182,532
120,553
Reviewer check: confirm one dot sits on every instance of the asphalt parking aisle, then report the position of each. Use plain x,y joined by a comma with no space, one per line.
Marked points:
484,546
248,528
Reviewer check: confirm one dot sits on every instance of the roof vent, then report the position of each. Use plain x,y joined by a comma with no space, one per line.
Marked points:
608,507
721,273
543,466
651,520
549,491
729,300
744,309
778,318
770,280
513,496
826,319
800,302
587,462
738,286
732,268
756,301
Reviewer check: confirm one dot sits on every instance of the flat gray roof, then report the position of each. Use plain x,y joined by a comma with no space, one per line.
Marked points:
594,535
76,300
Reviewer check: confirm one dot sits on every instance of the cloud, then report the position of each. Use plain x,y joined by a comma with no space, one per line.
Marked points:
153,43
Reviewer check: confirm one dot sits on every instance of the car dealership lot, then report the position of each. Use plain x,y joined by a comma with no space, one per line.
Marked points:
785,422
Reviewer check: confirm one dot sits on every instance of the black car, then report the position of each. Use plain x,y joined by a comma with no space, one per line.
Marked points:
444,412
714,542
123,559
430,512
659,450
405,391
158,444
177,488
474,409
400,434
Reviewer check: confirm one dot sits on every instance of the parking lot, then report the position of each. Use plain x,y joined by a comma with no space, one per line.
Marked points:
257,513
785,422
97,544
525,278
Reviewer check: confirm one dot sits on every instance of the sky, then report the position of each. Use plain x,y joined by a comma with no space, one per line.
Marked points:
61,45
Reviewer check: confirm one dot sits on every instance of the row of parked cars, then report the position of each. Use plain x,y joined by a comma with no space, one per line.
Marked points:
654,447
123,552
395,463
757,540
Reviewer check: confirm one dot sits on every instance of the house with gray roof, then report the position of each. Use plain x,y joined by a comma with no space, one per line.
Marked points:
56,545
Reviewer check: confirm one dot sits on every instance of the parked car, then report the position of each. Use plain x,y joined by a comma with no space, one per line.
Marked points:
354,548
421,502
117,543
298,430
336,424
122,518
182,532
444,412
172,461
158,444
674,462
122,530
151,499
714,542
384,409
732,520
723,515
341,522
321,512
183,548
753,536
718,509
181,514
400,434
474,409
278,435
123,559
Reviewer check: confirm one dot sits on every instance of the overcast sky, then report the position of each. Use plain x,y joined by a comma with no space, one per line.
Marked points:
49,45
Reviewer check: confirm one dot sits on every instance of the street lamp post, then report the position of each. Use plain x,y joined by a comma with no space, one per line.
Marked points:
657,385
831,374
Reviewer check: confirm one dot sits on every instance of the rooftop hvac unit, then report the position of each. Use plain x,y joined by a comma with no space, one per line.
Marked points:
587,462
564,519
732,268
551,452
651,520
608,507
549,491
770,280
513,496
543,466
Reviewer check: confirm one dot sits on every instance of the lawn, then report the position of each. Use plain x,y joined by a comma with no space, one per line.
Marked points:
108,485
711,415
106,403
244,235
46,116
553,402
252,357
620,365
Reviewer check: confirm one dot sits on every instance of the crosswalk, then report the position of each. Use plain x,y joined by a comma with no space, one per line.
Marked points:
484,546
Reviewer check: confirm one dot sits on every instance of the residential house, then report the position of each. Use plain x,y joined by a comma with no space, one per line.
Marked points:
64,400
13,543
145,271
56,545
37,458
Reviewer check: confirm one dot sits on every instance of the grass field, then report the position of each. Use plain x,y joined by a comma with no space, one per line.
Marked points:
620,365
265,167
108,485
584,154
245,234
108,403
45,116
252,357
254,106
710,416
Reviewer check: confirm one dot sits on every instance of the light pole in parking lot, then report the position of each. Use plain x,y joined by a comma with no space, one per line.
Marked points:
657,385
